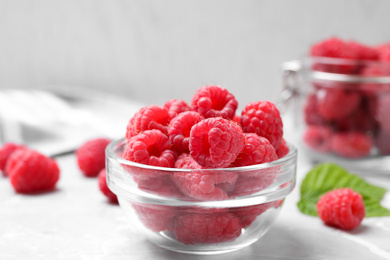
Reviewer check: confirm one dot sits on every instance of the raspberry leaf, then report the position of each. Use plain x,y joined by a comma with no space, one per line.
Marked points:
326,177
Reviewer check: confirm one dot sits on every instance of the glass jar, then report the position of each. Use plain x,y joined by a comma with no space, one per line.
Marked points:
341,109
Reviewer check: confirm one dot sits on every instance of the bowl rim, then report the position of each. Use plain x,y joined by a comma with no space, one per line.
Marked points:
110,153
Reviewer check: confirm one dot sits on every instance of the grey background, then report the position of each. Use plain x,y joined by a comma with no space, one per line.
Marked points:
154,50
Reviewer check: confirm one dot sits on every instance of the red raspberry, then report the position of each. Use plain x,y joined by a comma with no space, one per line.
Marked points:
351,144
216,142
263,118
283,149
102,182
382,111
249,214
214,101
337,103
185,161
342,208
5,152
318,138
256,150
363,52
151,147
253,181
176,106
311,114
161,185
382,142
155,217
91,157
207,228
30,171
375,70
148,118
205,185
179,129
335,48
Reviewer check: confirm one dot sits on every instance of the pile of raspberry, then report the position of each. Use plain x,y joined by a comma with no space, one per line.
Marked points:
204,135
349,119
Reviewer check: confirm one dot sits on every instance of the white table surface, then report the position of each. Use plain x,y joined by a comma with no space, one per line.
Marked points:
76,222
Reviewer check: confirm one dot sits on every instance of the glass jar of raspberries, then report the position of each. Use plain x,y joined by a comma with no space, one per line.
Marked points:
342,95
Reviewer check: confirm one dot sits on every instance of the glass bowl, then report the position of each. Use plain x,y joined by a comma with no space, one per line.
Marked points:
203,211
341,109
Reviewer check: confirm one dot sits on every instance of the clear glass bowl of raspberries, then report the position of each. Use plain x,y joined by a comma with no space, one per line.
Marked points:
341,101
196,210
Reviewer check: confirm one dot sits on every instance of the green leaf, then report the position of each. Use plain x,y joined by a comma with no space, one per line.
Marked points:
326,177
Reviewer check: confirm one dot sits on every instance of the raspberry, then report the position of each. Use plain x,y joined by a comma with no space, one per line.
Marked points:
148,118
155,217
102,182
360,120
161,185
351,144
205,185
207,228
151,147
363,52
375,70
253,181
342,208
214,101
176,106
382,111
256,150
335,48
5,152
283,149
382,142
185,161
30,171
249,214
318,138
91,156
263,118
215,142
337,103
179,129
311,114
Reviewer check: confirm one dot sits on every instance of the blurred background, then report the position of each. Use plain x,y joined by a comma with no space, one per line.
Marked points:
152,50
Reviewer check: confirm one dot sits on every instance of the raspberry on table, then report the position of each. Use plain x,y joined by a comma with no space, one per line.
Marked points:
214,101
30,171
351,144
155,217
342,208
205,184
263,118
176,106
151,147
148,118
318,138
283,149
335,103
215,142
207,228
102,182
256,150
91,157
180,127
5,152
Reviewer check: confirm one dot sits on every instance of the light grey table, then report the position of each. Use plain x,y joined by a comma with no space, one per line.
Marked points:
76,222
